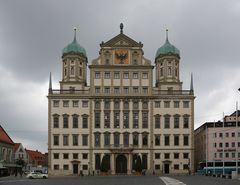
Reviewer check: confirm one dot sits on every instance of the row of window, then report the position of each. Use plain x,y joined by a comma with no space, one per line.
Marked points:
66,167
233,145
75,121
118,90
175,167
227,134
168,104
66,103
67,156
227,155
117,75
175,155
178,140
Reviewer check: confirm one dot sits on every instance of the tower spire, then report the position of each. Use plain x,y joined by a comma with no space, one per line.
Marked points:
121,28
167,35
75,30
50,84
191,84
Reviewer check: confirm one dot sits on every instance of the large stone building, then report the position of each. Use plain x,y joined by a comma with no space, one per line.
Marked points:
120,114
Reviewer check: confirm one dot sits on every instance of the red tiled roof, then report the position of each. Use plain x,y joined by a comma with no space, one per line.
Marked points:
4,137
16,146
35,155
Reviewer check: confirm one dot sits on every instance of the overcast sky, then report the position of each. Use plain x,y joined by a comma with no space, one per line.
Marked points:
33,34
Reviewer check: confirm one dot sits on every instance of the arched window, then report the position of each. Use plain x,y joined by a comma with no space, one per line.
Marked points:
80,71
72,70
169,71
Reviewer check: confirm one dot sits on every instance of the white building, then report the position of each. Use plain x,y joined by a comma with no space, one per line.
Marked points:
120,114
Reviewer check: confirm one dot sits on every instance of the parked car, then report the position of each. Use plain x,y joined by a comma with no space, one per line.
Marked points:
37,175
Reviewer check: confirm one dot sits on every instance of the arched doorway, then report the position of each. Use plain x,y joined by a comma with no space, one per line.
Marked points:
121,164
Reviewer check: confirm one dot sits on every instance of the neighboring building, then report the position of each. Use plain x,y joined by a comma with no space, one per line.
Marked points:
6,152
120,114
36,160
221,143
20,152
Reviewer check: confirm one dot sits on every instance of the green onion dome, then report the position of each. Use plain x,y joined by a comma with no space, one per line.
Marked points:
167,49
74,47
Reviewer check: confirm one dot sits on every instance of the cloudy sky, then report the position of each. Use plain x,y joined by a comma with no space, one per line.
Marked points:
33,34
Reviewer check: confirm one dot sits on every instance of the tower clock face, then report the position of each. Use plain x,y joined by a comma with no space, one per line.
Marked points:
121,56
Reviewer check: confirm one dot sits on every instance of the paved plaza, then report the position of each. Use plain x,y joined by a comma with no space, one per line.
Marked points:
121,180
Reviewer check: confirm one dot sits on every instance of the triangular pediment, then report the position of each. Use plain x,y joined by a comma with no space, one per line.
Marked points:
121,40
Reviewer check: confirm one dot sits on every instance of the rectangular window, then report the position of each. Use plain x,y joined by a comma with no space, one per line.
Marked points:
176,155
116,119
117,105
166,122
106,104
157,140
126,90
145,139
55,155
65,167
75,139
75,155
186,122
226,145
65,121
125,75
233,134
145,90
157,121
97,140
220,135
97,119
116,75
56,140
166,155
135,119
157,155
157,104
126,139
56,122
75,121
135,90
84,104
106,119
185,166
135,105
125,105
65,156
107,75
116,139
176,104
97,90
176,166
135,139
185,104
85,156
226,134
220,145
157,166
75,103
145,75
84,140
166,140
106,139
85,167
125,119
166,104
65,103
55,103
185,140
135,75
176,140
65,140
116,90
176,122
56,167
144,119
85,121
97,75
145,105
107,90
185,155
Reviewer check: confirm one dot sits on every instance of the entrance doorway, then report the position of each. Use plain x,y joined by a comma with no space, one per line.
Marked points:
75,168
166,168
121,164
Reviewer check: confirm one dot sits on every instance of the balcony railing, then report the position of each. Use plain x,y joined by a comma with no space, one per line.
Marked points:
172,92
121,146
69,91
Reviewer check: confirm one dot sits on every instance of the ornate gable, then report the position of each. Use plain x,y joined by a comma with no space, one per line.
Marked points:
121,40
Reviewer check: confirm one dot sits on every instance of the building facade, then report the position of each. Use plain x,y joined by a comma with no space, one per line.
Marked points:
120,114
215,141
